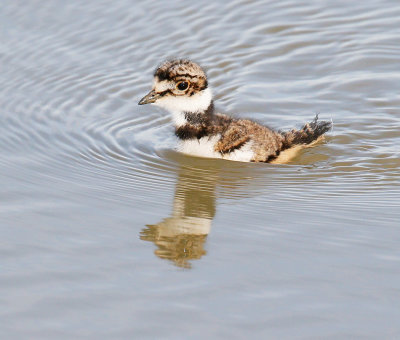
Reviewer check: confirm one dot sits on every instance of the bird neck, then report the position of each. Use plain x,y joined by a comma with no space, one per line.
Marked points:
194,124
200,117
194,109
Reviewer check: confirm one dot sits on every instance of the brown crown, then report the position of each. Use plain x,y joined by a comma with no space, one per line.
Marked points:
178,69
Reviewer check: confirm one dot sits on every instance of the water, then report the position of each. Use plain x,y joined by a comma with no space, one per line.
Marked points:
107,232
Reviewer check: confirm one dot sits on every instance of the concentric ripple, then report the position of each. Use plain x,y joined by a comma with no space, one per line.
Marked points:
93,188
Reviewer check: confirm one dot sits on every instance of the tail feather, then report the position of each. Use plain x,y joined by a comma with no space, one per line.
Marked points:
307,134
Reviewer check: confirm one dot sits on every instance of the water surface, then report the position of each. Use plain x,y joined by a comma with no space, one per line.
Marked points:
108,232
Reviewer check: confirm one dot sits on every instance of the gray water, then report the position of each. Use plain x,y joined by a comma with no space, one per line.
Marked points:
108,233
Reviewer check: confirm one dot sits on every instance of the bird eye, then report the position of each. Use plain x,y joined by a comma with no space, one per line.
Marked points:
183,85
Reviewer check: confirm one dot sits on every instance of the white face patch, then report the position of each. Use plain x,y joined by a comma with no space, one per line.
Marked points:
177,105
161,86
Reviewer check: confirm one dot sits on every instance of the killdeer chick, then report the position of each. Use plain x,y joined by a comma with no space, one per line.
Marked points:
180,86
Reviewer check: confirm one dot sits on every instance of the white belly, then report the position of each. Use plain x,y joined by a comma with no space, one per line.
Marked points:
204,147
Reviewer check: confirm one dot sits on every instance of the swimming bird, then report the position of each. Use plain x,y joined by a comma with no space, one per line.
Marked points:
181,87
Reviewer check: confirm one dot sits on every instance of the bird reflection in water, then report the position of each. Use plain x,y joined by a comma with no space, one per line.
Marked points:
181,237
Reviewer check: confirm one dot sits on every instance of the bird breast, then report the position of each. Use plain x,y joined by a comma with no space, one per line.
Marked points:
205,147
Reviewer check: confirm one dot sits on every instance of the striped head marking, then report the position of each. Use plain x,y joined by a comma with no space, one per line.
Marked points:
179,86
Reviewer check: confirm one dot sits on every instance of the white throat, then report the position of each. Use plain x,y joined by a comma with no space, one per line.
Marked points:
178,105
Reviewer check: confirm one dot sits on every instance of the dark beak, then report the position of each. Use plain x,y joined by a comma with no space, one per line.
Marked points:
149,98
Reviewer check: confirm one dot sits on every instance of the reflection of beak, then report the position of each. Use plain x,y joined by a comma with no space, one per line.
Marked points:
149,98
